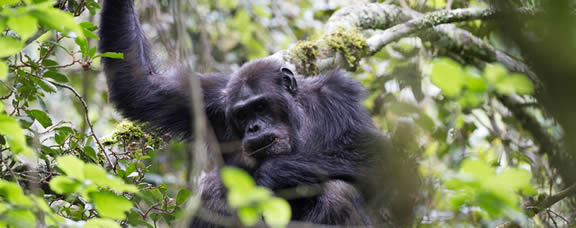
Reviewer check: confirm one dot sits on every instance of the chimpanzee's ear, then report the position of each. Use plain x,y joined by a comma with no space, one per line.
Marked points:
289,81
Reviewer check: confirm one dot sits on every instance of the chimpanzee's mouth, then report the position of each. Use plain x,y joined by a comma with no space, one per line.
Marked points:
273,140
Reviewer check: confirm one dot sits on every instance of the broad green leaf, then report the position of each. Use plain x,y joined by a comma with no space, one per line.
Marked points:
14,135
100,177
25,26
276,211
3,70
448,76
9,2
41,117
89,26
182,196
109,205
237,179
495,72
72,166
477,168
56,76
248,215
57,19
19,218
13,193
515,84
101,223
64,185
3,21
10,46
112,55
237,199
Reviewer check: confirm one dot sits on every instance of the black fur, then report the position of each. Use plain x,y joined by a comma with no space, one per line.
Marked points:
315,130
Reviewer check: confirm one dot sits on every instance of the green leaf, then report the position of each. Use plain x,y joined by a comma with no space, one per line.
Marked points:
515,84
112,55
448,76
64,185
10,46
25,26
9,2
83,44
14,135
101,223
41,117
19,218
182,196
89,26
495,72
3,70
109,205
276,212
57,19
13,193
249,216
100,177
56,76
72,166
237,179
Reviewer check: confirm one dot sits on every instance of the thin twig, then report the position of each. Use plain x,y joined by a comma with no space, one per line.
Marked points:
85,105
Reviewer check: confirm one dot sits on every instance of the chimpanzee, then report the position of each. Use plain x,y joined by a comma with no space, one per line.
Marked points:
293,131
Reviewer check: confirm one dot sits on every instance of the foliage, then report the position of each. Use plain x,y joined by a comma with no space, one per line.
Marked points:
67,159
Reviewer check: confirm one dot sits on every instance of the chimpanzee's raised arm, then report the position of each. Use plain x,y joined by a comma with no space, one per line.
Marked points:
137,90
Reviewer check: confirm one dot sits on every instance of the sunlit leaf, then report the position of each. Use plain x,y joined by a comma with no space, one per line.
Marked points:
248,215
237,179
109,205
64,185
9,2
25,26
10,46
13,193
3,70
276,211
112,55
448,76
14,135
101,223
72,166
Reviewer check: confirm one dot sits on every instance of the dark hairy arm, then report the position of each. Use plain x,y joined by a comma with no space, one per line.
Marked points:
140,92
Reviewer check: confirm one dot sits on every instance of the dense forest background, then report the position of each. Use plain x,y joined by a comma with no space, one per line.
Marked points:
478,93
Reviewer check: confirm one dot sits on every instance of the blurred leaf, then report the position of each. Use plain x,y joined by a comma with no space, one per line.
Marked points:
182,196
276,212
72,166
19,218
14,135
10,46
9,2
25,26
113,55
448,76
515,84
101,223
3,70
109,205
64,185
237,179
13,193
249,216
